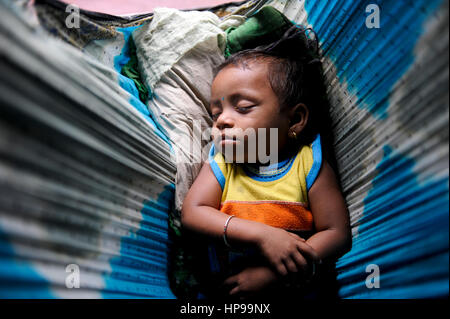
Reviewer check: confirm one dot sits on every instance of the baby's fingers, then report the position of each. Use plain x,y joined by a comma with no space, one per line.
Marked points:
307,251
281,268
234,291
296,236
230,282
290,265
300,261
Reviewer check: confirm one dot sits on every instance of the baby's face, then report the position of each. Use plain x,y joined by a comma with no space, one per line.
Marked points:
242,101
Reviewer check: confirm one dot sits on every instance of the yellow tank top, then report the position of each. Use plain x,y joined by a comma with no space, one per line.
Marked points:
276,195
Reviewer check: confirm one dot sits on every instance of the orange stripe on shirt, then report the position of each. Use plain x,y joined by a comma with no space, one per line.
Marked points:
282,214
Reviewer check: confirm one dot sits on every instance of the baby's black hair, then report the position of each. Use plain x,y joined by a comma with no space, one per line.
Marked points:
295,75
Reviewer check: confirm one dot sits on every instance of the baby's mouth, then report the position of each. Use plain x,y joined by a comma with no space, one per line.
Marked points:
224,140
228,138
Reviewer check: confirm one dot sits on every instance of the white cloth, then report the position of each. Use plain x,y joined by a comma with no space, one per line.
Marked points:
170,35
181,100
177,54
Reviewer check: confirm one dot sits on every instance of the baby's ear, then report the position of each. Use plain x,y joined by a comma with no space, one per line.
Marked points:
300,114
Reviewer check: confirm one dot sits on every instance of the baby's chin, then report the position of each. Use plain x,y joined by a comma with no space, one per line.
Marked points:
238,150
233,155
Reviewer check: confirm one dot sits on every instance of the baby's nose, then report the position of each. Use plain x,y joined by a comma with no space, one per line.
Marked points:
225,120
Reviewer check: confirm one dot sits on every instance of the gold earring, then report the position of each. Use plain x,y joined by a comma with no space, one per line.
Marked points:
294,134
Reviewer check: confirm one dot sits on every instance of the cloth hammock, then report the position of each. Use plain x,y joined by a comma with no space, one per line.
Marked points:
92,119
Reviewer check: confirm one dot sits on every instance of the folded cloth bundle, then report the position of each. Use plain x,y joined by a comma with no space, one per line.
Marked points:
264,27
170,35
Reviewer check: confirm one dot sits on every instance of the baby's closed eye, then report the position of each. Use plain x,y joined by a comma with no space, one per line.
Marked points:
245,108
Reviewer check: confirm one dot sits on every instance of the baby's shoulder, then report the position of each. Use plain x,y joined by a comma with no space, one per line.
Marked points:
309,161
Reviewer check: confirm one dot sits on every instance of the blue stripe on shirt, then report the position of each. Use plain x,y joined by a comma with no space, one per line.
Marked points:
317,163
215,168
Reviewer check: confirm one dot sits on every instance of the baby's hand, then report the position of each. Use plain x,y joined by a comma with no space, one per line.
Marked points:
250,282
285,251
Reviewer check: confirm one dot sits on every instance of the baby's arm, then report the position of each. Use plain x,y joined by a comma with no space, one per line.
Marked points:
200,212
333,236
285,251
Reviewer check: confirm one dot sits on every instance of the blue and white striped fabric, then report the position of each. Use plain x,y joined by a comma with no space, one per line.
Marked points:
87,177
388,88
